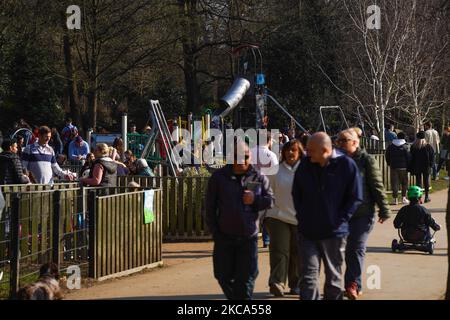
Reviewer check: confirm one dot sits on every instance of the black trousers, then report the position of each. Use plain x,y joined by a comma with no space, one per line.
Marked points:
235,261
423,180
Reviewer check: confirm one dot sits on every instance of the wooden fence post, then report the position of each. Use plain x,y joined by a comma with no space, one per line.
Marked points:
56,241
92,207
15,251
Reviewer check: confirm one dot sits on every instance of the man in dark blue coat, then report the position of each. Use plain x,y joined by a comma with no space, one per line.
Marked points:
327,190
236,193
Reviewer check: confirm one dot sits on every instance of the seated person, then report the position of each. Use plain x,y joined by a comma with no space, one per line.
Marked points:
143,169
85,170
414,220
130,162
78,151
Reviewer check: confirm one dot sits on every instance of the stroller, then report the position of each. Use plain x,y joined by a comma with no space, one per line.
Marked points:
414,239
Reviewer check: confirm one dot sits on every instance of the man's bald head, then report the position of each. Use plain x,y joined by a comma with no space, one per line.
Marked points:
320,148
321,139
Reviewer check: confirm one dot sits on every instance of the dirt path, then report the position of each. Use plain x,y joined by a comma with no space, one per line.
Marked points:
187,273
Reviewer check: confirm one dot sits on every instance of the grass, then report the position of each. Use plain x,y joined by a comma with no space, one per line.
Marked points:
4,284
436,185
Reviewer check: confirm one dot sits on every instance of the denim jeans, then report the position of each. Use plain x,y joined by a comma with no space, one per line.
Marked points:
235,261
265,235
312,252
355,252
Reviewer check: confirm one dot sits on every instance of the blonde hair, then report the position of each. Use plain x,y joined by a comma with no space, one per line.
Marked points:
351,133
358,131
103,149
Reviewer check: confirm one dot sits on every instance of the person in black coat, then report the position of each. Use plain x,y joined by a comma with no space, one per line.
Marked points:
398,159
56,142
11,171
422,160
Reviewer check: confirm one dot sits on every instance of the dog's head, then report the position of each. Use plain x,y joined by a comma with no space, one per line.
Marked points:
49,270
46,288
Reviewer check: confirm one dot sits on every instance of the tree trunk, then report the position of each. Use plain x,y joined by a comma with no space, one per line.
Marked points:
190,44
191,82
72,89
382,128
92,104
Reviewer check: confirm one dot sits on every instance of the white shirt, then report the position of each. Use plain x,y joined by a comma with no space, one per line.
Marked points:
432,138
264,160
281,185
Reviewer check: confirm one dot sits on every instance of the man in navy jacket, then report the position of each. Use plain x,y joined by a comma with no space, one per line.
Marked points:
327,190
236,193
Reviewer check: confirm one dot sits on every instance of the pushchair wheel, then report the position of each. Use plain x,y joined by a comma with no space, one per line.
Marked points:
394,245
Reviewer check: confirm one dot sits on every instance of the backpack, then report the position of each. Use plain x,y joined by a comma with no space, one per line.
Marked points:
70,133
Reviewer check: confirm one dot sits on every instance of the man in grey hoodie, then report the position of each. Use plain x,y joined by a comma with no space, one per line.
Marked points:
398,158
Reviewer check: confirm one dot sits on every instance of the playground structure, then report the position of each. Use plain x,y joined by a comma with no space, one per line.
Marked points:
244,106
245,103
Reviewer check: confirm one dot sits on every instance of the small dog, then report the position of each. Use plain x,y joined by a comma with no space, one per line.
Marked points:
46,288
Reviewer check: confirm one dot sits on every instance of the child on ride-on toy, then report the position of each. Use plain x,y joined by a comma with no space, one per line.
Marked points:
414,222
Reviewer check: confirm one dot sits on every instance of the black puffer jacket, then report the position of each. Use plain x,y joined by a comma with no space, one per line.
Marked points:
11,171
422,159
397,154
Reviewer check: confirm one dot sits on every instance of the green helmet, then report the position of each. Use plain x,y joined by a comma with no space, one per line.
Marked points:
414,192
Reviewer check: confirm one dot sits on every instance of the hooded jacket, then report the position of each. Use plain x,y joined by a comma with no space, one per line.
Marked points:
325,198
226,213
398,155
373,188
11,171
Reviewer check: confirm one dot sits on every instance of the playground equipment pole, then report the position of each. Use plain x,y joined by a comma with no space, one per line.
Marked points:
89,136
207,125
124,131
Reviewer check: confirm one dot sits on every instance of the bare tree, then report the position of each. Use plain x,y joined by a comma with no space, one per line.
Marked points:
423,80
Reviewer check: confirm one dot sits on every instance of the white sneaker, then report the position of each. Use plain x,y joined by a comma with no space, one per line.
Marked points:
447,178
405,201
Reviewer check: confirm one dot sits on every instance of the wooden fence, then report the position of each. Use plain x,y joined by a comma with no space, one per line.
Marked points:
183,201
120,241
183,205
106,237
386,171
38,226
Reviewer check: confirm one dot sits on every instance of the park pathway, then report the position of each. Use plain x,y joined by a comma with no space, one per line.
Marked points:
187,273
